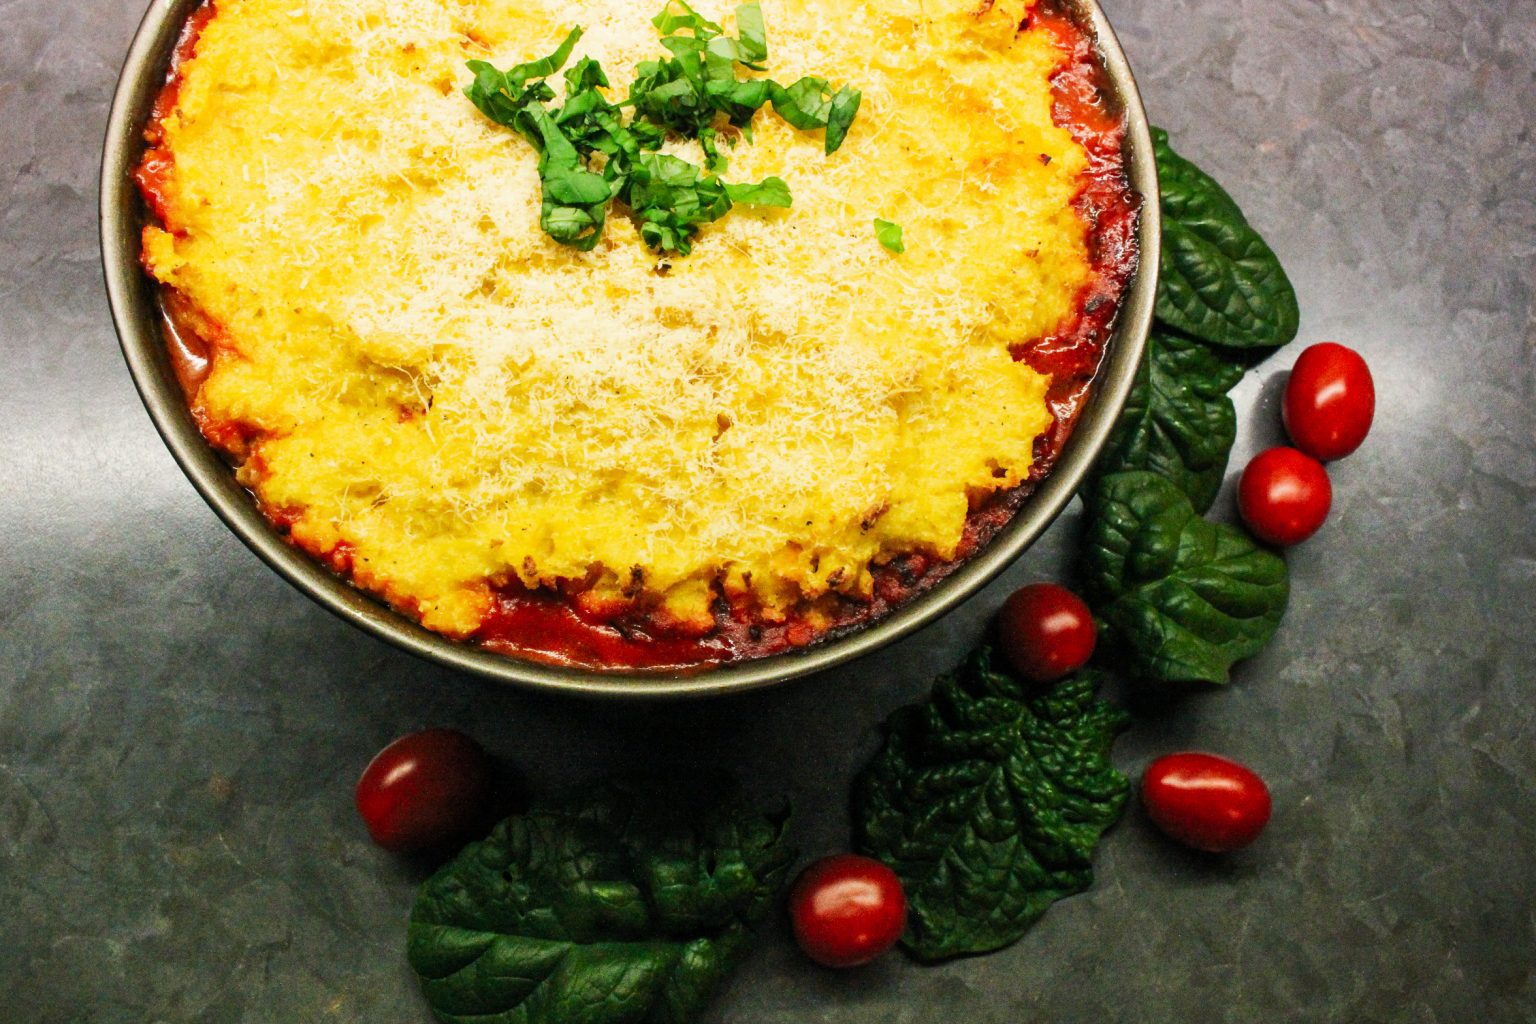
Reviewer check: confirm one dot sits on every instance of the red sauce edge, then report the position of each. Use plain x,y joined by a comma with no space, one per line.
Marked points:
549,626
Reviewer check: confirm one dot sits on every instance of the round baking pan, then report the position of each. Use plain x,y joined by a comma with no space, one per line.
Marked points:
136,312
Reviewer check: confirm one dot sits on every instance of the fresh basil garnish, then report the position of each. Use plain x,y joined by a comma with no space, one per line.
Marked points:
617,905
685,95
1220,281
1180,598
987,800
1178,421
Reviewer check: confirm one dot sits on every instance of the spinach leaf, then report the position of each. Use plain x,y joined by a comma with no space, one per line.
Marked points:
987,800
888,234
618,905
1220,281
1182,597
1178,421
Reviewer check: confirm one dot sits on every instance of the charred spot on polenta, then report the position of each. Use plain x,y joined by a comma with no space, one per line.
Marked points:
572,456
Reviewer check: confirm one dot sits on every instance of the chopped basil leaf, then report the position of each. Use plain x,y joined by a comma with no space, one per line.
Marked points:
672,198
501,96
574,198
714,161
499,100
576,187
845,105
1220,281
739,100
889,235
574,226
669,21
546,66
806,104
768,192
754,36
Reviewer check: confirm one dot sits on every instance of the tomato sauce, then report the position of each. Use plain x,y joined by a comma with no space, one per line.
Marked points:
551,626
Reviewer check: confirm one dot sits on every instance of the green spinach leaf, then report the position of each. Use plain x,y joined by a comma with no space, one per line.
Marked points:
1220,281
618,905
1178,421
987,800
1183,598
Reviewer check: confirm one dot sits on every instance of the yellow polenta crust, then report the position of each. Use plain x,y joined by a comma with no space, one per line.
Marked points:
462,401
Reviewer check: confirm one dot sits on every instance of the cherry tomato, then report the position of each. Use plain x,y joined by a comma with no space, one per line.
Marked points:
846,910
1284,496
424,789
1330,401
1046,631
1205,801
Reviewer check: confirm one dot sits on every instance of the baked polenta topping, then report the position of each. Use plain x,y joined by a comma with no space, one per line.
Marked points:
432,392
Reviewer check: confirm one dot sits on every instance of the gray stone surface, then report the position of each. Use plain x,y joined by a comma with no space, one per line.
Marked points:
180,730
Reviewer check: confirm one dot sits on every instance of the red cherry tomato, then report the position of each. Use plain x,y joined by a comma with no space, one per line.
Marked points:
424,789
1046,631
1205,801
1284,496
1330,401
846,910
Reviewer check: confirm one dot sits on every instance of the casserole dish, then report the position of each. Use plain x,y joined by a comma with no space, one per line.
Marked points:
1004,535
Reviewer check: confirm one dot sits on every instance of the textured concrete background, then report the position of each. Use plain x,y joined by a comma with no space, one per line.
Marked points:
180,730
